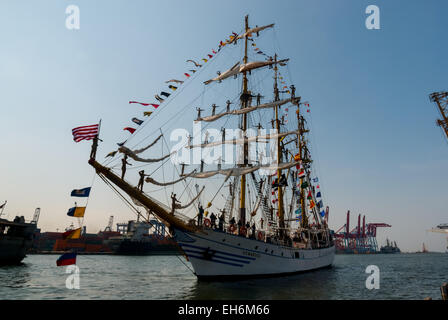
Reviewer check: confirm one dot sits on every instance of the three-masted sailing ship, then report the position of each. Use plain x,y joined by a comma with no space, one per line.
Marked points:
269,220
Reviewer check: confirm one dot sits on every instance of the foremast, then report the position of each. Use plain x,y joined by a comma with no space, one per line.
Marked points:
244,104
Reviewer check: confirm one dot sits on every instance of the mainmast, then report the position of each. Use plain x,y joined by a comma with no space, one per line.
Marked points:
300,137
281,214
244,100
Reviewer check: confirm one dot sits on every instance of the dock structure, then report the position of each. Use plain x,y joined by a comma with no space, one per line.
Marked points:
361,239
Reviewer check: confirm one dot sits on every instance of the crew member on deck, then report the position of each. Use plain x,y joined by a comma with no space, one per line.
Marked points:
200,215
221,221
124,162
232,222
213,220
240,224
253,231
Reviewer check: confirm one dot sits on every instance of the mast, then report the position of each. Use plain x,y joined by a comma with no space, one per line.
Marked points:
300,123
281,214
244,100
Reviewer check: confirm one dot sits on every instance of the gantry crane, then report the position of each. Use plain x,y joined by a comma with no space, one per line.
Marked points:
441,100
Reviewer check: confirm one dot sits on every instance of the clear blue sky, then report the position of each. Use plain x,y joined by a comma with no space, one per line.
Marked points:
379,151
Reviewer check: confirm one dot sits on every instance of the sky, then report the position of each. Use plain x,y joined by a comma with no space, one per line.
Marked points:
377,147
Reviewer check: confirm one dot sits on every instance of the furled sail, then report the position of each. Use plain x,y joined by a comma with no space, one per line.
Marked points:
149,146
244,68
246,140
132,155
178,206
163,184
247,110
254,30
231,72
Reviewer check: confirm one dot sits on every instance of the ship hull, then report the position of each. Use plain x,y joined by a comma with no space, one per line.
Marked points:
217,255
13,250
142,248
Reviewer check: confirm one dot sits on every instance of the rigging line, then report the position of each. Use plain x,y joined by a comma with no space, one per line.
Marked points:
177,93
125,200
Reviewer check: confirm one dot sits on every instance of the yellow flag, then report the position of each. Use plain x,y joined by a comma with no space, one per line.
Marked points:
147,113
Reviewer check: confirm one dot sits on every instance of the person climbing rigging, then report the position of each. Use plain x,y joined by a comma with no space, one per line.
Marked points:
174,201
124,162
141,181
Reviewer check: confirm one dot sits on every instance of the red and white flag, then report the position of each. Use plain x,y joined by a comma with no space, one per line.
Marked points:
85,132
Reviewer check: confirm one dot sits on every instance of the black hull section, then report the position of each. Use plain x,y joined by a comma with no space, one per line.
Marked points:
255,276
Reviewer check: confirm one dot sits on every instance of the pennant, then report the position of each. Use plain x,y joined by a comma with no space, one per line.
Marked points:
137,121
309,195
304,185
159,98
316,180
81,192
322,213
174,80
142,103
318,195
312,204
205,60
131,130
111,154
66,259
121,144
155,105
302,174
317,186
195,63
147,113
210,56
166,94
187,75
72,234
172,87
214,51
77,212
194,71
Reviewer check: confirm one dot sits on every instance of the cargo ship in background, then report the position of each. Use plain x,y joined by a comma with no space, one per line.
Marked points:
132,238
390,247
142,238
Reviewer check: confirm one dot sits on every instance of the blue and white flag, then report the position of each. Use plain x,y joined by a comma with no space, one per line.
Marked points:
315,180
81,192
137,121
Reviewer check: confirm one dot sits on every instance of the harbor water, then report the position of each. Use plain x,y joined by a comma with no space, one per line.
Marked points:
402,276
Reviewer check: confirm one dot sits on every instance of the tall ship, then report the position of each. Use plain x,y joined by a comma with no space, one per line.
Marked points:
16,238
258,212
390,247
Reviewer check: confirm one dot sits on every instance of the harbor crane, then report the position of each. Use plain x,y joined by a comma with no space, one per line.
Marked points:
109,225
36,216
441,100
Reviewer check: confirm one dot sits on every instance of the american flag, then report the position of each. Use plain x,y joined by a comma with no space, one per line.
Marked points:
85,132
